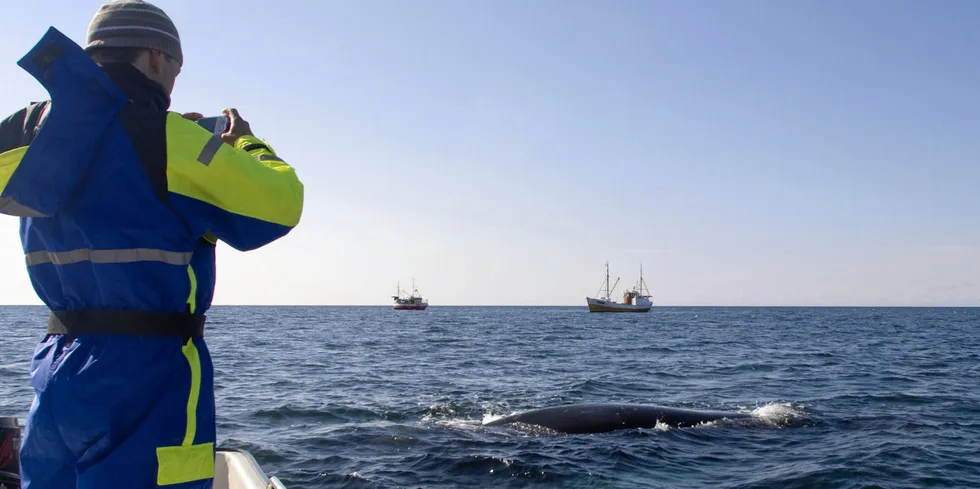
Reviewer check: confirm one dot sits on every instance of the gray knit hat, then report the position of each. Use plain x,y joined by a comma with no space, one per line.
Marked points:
134,24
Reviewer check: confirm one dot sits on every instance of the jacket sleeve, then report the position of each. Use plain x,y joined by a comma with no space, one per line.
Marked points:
16,133
12,131
11,146
244,195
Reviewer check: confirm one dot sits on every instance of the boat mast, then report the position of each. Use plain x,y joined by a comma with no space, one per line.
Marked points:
643,284
607,280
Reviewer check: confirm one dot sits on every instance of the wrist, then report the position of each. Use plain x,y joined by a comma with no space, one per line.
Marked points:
250,143
246,140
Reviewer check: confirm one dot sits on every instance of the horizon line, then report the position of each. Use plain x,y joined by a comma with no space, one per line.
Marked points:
579,306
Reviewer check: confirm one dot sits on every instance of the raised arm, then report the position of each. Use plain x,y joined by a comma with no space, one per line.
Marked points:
16,133
245,195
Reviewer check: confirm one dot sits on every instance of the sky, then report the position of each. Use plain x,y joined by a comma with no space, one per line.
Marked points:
499,153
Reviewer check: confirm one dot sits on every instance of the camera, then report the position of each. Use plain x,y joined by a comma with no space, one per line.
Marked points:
216,125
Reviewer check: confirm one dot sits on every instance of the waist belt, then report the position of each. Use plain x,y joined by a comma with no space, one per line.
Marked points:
108,321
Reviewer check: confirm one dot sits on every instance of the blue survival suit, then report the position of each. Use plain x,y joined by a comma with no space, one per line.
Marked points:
121,203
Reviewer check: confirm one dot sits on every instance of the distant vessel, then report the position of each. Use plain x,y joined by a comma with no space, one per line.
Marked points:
636,299
414,302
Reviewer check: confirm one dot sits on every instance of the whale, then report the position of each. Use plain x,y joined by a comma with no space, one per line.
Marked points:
601,418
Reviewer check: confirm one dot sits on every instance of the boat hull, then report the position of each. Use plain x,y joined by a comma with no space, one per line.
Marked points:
236,469
599,305
410,307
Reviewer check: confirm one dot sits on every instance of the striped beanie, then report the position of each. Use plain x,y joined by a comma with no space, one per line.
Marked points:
134,24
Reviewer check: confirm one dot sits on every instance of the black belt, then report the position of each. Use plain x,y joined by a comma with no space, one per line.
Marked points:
108,321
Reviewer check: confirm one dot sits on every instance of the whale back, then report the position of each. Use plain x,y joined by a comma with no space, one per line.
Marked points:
598,418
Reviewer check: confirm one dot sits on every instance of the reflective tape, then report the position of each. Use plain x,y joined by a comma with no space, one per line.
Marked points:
108,256
210,150
265,157
10,207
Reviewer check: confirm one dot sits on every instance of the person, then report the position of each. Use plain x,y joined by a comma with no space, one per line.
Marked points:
121,203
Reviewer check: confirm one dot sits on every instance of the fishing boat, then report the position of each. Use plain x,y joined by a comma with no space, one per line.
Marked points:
233,468
413,302
636,299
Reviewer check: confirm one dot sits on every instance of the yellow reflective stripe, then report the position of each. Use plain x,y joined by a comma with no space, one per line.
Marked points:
192,298
234,181
177,465
9,162
187,462
108,256
194,360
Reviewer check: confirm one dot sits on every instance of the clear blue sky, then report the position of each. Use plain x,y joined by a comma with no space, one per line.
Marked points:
746,152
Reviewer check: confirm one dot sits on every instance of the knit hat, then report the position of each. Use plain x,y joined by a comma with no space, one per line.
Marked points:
134,24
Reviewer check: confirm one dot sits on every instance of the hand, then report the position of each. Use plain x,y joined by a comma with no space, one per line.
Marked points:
192,116
239,127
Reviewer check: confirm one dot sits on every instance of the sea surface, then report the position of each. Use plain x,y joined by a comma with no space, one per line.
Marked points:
368,397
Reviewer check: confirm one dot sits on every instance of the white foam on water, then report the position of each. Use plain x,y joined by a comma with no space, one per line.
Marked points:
488,417
778,414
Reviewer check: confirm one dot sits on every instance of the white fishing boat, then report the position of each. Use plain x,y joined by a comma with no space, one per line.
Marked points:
414,302
636,299
233,469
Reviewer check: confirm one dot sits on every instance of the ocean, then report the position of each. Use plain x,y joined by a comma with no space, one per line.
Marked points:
368,397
